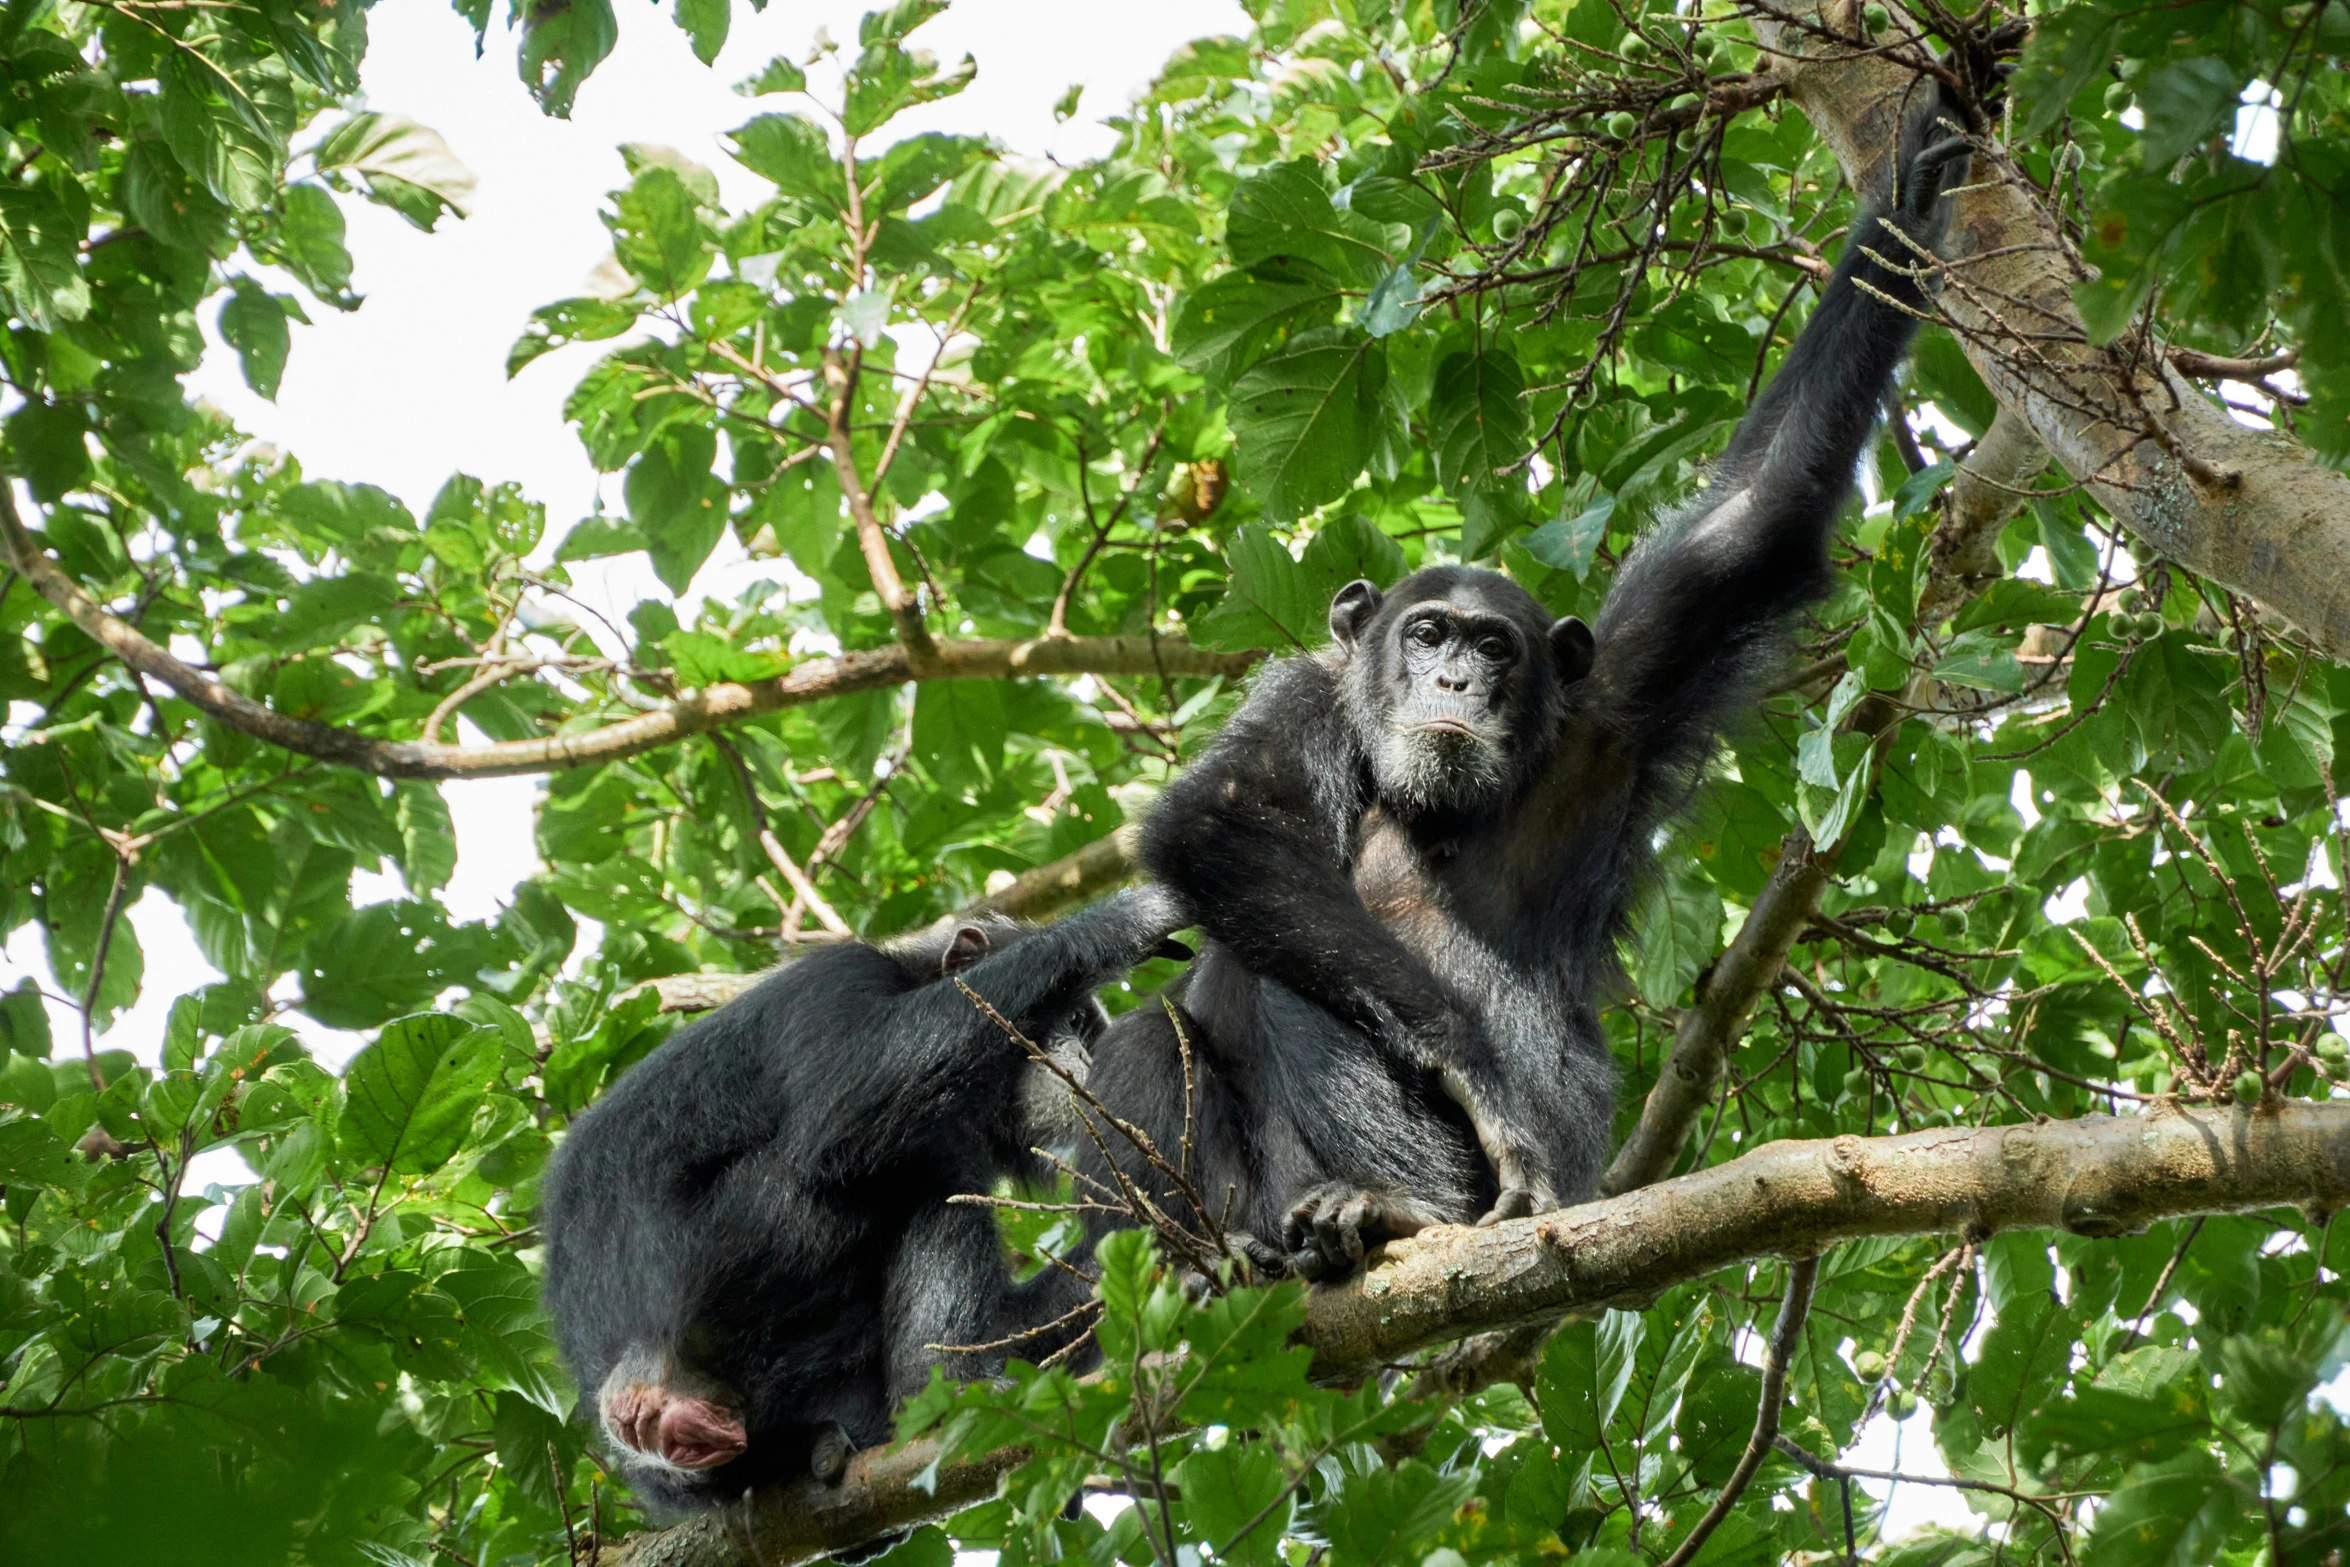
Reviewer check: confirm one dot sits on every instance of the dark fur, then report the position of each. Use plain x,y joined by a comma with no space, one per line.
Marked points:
1412,932
756,1216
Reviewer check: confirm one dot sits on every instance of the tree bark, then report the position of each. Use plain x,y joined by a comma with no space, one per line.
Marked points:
2251,509
2098,1176
696,712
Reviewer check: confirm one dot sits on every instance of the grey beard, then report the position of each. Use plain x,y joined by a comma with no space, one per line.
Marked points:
1049,1112
1437,771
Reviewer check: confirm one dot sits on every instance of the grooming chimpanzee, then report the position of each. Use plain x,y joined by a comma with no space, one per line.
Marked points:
1414,852
749,1245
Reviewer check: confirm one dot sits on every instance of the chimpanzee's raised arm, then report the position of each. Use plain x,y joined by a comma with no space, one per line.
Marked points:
1684,628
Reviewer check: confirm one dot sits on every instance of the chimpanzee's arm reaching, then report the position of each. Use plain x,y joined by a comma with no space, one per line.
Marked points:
1679,637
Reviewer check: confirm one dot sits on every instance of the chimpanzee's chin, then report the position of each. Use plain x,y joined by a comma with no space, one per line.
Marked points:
1444,768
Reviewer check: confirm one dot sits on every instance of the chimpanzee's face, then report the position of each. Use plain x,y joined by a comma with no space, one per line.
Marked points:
1455,680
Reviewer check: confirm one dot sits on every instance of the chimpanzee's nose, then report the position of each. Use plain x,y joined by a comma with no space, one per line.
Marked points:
1452,680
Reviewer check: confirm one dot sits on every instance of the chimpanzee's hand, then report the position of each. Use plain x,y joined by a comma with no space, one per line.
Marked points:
1331,1227
1514,1202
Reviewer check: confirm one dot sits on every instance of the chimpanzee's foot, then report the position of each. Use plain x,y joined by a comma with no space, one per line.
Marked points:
1331,1226
691,1433
828,1455
1515,1202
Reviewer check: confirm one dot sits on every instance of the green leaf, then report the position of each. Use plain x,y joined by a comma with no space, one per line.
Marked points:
659,233
1238,1497
1568,543
676,504
1382,1518
911,169
254,323
1477,418
410,1096
705,22
403,165
781,74
1238,316
1285,214
2171,1514
792,151
1717,1418
1270,601
308,242
428,840
1304,417
224,125
562,46
2185,103
1584,1371
386,959
40,265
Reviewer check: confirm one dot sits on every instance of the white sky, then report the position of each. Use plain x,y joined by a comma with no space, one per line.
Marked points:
412,386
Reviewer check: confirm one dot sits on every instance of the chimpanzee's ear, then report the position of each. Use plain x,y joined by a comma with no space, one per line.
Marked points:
1355,604
1571,648
968,947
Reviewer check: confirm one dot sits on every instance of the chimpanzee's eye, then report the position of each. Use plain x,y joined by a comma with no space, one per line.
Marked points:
1427,633
1494,648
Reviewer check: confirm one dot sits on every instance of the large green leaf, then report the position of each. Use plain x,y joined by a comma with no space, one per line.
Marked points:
1304,419
410,1096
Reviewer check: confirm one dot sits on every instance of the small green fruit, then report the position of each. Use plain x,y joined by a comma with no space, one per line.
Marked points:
2117,97
1856,1083
1705,47
2121,627
1685,101
1869,1366
1900,922
1508,224
2248,1086
1634,47
1878,18
2332,1047
2133,601
1952,921
1622,124
1901,1403
2150,624
1690,139
1913,1058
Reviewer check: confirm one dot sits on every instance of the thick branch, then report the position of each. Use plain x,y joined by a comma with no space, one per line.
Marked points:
697,712
1036,894
2249,508
2098,1176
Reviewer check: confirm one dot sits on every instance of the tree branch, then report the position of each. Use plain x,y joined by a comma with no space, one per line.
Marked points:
2249,508
697,712
2098,1176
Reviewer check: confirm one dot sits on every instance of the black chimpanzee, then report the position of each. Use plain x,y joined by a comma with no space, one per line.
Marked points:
1413,852
750,1252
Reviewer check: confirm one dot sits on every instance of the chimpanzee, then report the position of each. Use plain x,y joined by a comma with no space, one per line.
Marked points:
1414,851
750,1252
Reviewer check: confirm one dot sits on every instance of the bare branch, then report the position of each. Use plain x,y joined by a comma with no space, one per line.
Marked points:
2098,1176
697,712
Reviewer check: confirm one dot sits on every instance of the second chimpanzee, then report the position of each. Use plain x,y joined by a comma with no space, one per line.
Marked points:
1414,852
751,1255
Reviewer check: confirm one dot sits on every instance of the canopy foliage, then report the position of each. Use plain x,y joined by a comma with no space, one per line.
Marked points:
1042,456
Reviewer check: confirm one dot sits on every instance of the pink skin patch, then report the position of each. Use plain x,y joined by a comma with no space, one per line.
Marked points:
691,1433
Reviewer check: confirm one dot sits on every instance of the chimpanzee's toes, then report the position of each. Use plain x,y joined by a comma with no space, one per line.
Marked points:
1515,1202
828,1454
